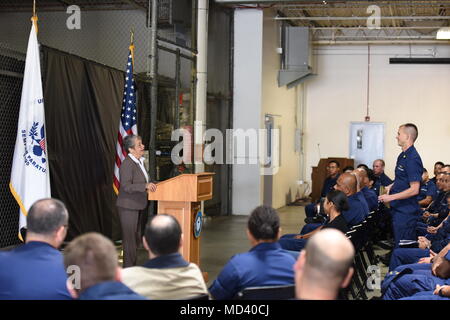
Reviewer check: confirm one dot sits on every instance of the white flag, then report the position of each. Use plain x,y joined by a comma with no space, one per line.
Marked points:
29,174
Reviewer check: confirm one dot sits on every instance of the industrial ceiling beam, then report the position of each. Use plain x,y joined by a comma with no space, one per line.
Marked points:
364,18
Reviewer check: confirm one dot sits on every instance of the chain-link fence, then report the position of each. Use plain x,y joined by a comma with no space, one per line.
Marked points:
101,33
12,64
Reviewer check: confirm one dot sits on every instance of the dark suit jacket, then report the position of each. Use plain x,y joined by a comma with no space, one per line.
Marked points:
132,193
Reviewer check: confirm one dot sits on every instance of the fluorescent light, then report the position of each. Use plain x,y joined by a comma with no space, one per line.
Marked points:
443,33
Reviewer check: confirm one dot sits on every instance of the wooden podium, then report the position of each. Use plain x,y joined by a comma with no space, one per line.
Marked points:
180,197
319,174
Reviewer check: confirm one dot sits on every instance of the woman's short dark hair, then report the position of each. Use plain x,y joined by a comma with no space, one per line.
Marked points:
130,141
339,199
362,165
264,223
371,175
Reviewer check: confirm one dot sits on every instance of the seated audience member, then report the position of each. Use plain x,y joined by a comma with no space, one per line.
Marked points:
348,169
363,166
362,176
335,202
406,281
426,248
36,270
324,266
438,209
437,168
427,191
333,169
446,169
99,271
266,264
358,208
382,178
435,240
166,275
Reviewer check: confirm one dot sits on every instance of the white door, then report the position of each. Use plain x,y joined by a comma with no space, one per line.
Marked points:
366,142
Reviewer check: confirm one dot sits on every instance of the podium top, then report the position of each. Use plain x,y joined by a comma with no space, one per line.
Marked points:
191,187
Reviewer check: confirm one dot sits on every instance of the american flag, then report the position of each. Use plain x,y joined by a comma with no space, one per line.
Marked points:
127,125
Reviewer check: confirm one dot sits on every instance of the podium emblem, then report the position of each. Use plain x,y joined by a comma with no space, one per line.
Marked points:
198,223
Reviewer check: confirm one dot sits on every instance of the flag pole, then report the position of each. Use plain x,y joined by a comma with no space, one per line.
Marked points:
132,46
34,18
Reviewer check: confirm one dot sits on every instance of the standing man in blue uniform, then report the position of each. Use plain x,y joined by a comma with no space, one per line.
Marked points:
402,194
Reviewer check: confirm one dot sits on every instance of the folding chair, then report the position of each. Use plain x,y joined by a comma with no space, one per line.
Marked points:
282,292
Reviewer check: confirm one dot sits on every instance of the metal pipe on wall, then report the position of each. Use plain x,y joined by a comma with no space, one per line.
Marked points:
201,90
177,89
154,88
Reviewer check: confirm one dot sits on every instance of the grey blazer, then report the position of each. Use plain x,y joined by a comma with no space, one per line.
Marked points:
132,193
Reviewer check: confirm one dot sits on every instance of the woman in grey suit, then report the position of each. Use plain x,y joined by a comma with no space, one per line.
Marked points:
134,183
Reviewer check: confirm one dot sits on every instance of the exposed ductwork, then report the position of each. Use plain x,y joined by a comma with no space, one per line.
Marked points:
295,57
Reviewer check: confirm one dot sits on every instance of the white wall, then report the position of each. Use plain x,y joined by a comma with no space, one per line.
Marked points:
247,86
282,102
398,94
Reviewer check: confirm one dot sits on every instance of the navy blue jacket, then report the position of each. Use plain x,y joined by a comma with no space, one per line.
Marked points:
110,290
358,210
328,185
427,189
409,168
440,240
439,203
381,180
371,198
266,264
33,271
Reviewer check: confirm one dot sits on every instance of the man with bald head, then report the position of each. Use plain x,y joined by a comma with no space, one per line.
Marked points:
359,209
402,194
324,266
166,275
362,176
36,270
381,178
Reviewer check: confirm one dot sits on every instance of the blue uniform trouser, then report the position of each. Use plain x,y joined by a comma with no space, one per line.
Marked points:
307,228
415,267
410,284
310,210
288,242
425,295
401,256
403,225
421,229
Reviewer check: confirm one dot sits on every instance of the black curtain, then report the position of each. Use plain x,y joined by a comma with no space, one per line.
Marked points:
82,110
